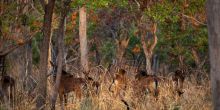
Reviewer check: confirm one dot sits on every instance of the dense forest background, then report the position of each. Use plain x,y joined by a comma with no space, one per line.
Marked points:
159,36
182,28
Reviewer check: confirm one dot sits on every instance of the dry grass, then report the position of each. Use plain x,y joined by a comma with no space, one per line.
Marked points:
195,97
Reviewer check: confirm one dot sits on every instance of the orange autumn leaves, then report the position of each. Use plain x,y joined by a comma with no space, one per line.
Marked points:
73,18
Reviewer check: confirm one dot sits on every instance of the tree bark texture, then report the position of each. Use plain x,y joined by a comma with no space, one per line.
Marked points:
83,39
213,17
148,48
60,41
42,78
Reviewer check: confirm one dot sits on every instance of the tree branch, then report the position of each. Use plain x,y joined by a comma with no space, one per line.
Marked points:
190,17
13,47
138,4
153,45
144,43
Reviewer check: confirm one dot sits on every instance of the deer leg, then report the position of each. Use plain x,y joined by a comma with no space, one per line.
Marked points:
97,89
14,100
180,92
175,83
61,100
11,96
65,99
79,93
117,91
110,88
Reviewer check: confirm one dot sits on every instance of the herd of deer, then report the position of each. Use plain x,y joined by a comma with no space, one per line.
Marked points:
142,84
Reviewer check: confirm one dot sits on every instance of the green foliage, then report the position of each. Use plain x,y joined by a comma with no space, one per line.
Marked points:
171,38
108,50
91,4
195,6
36,48
163,11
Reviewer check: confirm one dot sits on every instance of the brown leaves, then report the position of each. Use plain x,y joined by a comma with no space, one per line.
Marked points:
20,41
73,18
136,49
37,24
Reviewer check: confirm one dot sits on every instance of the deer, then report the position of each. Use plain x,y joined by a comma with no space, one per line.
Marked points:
69,83
147,83
120,83
93,85
178,79
8,88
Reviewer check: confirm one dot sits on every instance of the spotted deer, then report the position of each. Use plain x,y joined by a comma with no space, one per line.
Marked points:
119,85
178,79
69,83
119,82
146,83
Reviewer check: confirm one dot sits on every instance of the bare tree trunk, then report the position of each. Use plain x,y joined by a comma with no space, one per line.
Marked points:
60,40
59,62
83,39
42,78
148,55
148,49
213,16
28,82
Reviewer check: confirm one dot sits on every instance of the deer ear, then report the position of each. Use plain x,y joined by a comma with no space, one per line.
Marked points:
127,41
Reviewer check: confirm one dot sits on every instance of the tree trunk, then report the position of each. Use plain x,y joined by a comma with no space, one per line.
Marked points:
28,81
148,48
146,53
59,62
60,39
213,17
42,78
83,39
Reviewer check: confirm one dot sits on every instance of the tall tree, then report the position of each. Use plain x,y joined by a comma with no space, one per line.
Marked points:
213,16
60,41
42,78
83,39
